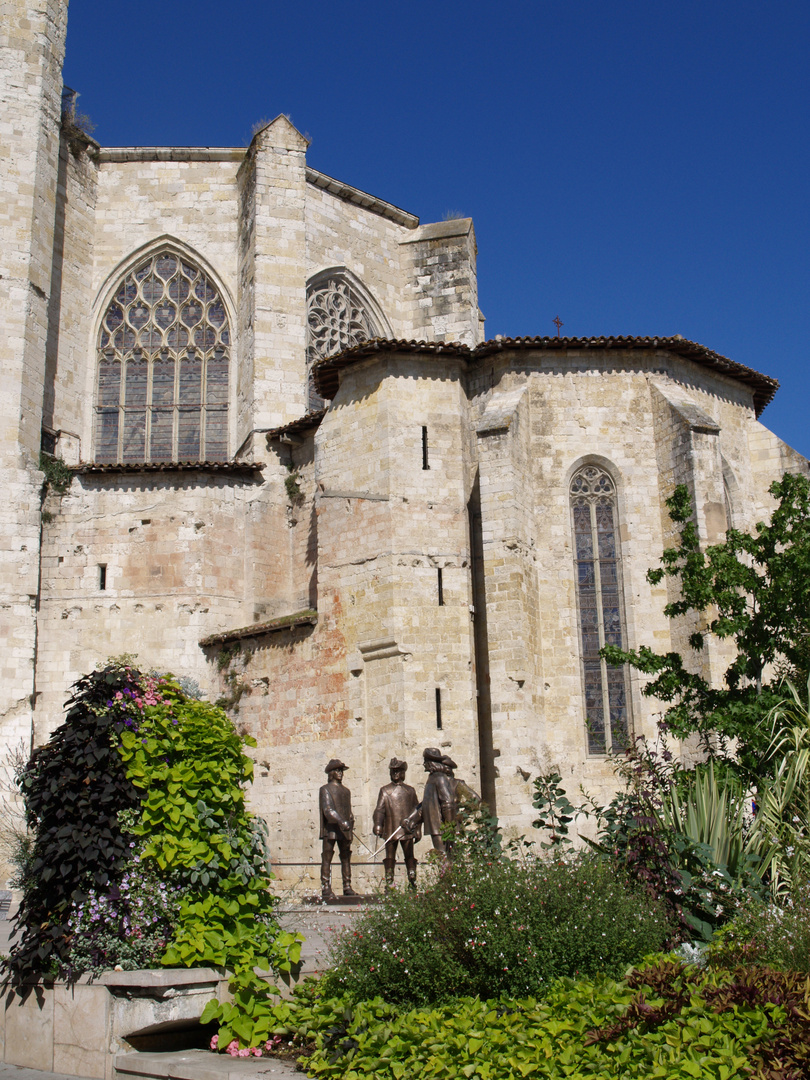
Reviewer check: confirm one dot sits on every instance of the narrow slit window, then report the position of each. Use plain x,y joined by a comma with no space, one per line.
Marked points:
600,609
440,585
102,576
425,462
438,709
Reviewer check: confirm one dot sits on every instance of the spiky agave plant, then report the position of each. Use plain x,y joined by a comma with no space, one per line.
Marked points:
780,834
711,814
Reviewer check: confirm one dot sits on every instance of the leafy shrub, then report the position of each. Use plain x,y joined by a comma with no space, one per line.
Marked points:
143,849
74,788
667,1021
499,926
682,835
775,934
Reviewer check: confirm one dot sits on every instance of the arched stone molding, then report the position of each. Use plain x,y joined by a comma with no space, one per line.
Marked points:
341,312
207,341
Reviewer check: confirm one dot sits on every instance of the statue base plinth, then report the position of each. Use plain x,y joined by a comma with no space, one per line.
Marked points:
342,901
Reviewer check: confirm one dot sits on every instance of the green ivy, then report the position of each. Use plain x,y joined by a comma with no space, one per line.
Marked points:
142,776
74,788
187,759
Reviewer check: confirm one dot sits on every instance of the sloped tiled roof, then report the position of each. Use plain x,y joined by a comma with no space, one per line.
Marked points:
763,386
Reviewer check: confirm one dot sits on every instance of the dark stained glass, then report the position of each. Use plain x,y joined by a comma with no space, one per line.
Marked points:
190,380
593,505
134,435
114,317
216,435
191,314
177,337
161,431
138,316
170,397
203,290
178,290
188,435
165,315
107,435
136,383
163,382
109,383
165,265
152,290
216,314
216,382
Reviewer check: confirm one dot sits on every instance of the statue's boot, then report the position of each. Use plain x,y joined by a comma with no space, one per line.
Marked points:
389,865
410,866
346,871
326,880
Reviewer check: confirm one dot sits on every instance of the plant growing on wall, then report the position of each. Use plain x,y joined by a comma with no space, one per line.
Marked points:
137,806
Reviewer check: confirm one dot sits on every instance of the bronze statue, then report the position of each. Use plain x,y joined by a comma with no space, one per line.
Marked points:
462,792
438,801
337,826
395,802
441,798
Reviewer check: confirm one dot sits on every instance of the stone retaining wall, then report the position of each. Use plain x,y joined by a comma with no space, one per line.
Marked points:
78,1030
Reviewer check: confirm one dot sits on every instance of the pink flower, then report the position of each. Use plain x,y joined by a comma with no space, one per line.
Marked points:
214,1042
232,1048
256,1051
243,1053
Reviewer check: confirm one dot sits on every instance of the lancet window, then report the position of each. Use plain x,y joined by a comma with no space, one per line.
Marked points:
163,357
601,613
336,320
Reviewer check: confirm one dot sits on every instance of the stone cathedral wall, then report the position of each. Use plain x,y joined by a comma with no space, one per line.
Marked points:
396,573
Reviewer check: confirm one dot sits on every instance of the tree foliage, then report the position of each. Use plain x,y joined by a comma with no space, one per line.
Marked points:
752,590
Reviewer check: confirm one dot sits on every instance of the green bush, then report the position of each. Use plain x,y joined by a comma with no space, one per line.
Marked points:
498,926
667,1021
144,851
776,934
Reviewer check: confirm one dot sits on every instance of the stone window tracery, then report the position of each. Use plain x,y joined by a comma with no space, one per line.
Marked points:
163,358
336,320
601,615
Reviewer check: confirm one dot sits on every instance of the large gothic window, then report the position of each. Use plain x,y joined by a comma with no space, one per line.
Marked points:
601,621
336,319
163,352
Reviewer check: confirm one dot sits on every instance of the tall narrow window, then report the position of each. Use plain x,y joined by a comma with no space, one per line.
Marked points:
601,616
163,352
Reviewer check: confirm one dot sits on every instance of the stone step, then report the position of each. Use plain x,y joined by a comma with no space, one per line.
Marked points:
200,1065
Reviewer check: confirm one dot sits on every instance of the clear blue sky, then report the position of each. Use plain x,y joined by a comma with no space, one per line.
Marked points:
634,167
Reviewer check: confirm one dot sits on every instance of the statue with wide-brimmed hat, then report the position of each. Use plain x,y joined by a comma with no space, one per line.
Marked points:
437,806
337,827
395,802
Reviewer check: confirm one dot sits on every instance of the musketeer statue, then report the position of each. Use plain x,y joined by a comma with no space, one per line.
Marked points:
438,800
337,827
395,802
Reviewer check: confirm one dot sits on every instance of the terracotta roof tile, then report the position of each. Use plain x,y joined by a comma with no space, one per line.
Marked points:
763,386
303,423
169,466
